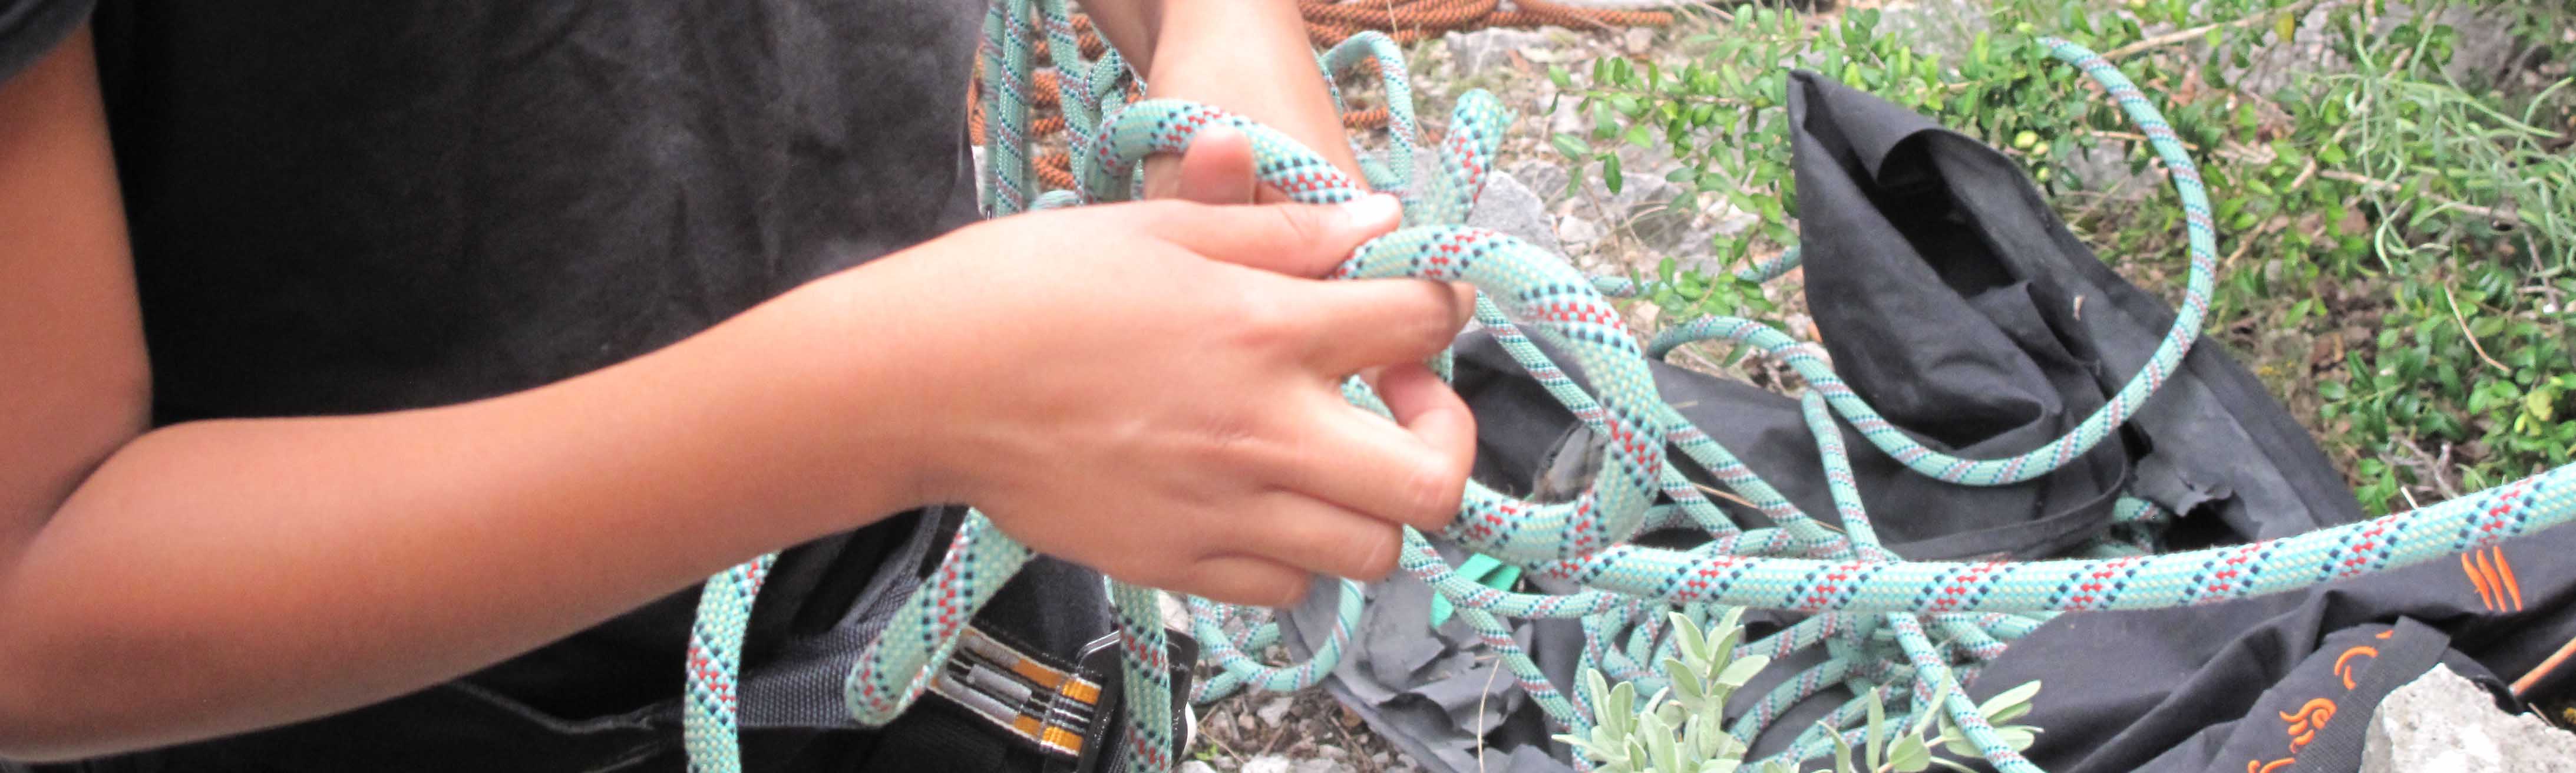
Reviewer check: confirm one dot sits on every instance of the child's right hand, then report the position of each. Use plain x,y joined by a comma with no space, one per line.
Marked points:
1150,389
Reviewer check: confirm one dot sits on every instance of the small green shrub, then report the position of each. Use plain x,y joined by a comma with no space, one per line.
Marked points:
2398,248
1687,733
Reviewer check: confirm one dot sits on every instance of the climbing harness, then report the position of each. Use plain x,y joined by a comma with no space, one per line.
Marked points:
1876,614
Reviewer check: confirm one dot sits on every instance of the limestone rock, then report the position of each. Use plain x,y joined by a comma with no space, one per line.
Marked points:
1546,178
1274,763
1510,207
1637,40
1578,230
2443,722
1274,712
1486,48
1269,763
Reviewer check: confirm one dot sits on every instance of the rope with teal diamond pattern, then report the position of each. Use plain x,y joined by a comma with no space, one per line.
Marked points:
1874,610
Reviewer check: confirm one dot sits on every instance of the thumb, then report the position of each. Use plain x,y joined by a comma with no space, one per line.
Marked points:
1305,240
1217,169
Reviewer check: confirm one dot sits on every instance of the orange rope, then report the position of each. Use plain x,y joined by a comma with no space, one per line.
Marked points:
1393,17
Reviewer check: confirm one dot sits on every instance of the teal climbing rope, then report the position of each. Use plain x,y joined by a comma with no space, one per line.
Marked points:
1875,613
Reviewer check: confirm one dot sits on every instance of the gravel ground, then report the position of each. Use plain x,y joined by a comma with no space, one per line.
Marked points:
1304,732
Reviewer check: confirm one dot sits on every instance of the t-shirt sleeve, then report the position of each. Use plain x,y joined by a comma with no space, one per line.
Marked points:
30,28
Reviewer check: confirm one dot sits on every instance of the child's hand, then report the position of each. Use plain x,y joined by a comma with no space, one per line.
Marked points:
1150,389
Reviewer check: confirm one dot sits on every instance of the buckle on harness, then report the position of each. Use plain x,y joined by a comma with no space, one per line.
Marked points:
1067,712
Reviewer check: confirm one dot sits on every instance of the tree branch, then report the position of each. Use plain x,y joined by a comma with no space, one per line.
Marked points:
2504,216
2179,36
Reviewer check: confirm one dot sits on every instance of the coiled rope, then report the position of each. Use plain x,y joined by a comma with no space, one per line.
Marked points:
1876,613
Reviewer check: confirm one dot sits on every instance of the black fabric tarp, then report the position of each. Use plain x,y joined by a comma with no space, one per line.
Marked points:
1951,297
2207,688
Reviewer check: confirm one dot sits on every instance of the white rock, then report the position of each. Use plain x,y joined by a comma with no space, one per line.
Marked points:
1638,39
2443,722
1275,711
1195,766
1568,117
1323,766
1269,763
1508,206
1275,763
1573,229
1544,178
1481,49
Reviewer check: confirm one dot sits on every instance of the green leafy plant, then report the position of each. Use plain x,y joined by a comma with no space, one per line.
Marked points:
1690,293
1681,728
2398,228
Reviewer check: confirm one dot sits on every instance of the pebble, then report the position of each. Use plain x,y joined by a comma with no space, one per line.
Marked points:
1280,763
1574,229
1512,208
1269,763
1481,49
1275,711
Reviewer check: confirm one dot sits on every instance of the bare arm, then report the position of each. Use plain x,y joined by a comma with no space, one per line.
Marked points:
258,570
1247,56
222,576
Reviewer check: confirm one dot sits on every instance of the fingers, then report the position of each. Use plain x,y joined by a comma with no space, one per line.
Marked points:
1217,169
1305,240
1367,323
1320,537
1391,472
1246,580
1433,413
1267,553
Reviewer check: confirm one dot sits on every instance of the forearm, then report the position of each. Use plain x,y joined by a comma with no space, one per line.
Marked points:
260,571
1248,56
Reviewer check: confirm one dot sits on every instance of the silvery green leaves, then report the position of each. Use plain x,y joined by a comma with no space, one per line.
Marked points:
1888,748
1681,729
1706,671
1999,711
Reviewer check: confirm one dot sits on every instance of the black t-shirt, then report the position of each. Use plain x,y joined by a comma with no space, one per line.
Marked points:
349,207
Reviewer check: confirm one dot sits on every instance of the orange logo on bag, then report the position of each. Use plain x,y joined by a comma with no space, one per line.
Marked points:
2313,715
2305,722
2343,664
2493,578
